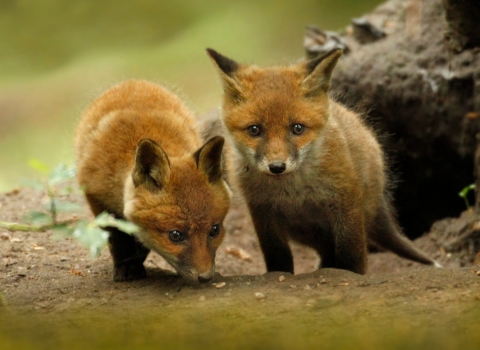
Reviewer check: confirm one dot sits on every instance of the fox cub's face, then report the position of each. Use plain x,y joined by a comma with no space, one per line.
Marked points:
275,115
180,205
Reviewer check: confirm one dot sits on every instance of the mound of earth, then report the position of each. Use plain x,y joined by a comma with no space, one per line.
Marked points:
53,292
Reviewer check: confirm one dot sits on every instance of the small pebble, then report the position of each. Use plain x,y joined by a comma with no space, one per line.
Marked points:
202,298
6,236
293,286
307,287
281,278
219,285
259,295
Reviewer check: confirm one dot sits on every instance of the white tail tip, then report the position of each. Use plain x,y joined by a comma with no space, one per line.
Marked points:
437,265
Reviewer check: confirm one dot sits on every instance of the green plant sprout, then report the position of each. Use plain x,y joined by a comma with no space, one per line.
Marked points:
464,193
92,235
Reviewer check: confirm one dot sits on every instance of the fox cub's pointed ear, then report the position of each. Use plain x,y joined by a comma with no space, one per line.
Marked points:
152,167
227,65
227,68
209,158
318,72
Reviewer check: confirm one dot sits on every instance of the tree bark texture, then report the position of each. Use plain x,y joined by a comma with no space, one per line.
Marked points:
424,103
463,24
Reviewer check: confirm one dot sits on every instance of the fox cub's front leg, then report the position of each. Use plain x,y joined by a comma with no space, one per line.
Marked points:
273,240
128,256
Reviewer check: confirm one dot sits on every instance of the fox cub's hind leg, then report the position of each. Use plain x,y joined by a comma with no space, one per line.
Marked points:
350,241
128,256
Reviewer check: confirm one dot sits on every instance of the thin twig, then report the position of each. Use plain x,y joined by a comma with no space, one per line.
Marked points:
15,226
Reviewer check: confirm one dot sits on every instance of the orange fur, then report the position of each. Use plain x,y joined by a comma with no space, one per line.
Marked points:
314,173
164,183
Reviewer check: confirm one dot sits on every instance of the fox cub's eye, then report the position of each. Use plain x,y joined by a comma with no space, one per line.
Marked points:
298,129
214,231
254,130
176,236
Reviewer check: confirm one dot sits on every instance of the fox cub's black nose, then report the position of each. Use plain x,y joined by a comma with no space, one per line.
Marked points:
277,167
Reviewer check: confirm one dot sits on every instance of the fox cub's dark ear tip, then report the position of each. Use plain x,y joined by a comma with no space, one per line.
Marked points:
211,52
215,145
219,141
209,158
152,167
227,65
331,55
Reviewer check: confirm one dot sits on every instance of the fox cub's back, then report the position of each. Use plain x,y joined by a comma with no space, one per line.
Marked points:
110,129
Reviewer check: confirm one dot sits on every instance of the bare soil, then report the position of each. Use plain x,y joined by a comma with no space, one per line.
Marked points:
53,291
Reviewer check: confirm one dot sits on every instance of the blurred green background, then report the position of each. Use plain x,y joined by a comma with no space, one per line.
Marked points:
57,55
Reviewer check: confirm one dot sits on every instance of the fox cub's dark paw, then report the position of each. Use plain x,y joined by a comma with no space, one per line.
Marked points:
129,272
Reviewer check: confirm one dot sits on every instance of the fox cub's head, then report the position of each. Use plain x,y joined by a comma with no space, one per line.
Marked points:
180,204
275,115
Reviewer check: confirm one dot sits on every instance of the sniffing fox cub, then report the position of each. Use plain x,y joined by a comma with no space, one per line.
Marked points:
139,157
309,169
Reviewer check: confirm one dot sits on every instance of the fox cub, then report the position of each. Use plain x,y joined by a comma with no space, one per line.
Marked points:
139,157
309,169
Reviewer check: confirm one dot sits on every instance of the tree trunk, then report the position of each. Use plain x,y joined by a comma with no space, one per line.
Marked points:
477,175
463,29
424,104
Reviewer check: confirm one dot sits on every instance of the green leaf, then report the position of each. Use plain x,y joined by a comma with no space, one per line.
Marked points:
39,166
126,226
38,218
62,230
91,236
106,220
464,192
67,207
61,173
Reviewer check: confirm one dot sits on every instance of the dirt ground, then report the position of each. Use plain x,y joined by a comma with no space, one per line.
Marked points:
52,291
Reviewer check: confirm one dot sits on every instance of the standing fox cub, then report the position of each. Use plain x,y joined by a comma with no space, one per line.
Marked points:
139,158
309,169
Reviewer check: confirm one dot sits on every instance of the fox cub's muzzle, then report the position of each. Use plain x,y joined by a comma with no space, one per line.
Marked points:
195,277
